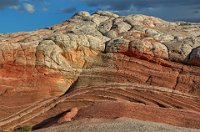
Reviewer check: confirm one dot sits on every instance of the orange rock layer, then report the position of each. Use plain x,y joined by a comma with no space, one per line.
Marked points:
101,66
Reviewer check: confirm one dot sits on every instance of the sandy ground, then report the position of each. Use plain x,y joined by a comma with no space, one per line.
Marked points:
117,125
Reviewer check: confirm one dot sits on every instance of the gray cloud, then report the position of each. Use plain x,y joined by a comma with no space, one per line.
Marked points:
69,9
8,3
126,4
21,5
166,9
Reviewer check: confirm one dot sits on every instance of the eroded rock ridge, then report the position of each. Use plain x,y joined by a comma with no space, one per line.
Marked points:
101,61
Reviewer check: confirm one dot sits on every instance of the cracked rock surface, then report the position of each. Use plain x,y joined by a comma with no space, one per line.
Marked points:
101,61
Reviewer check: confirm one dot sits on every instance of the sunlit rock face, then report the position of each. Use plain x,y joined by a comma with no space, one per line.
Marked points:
104,62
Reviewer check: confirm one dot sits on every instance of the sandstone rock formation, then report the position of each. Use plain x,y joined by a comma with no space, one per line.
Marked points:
69,115
105,65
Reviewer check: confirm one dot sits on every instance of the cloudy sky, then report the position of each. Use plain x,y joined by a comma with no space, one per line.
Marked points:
27,15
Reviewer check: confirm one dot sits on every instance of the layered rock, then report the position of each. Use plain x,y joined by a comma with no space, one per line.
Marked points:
102,61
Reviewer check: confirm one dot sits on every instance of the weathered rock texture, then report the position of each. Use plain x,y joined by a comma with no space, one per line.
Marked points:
116,125
101,65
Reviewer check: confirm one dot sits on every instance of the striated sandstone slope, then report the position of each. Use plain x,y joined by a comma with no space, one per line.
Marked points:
106,66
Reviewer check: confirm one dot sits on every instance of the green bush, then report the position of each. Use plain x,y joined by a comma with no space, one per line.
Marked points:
23,129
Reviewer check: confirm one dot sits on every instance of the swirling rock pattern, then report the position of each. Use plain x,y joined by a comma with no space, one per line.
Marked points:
106,66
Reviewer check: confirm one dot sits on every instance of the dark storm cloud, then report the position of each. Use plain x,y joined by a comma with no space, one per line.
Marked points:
196,11
191,20
167,9
127,4
69,9
8,3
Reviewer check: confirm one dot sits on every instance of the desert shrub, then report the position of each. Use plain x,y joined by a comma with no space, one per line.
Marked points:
23,129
